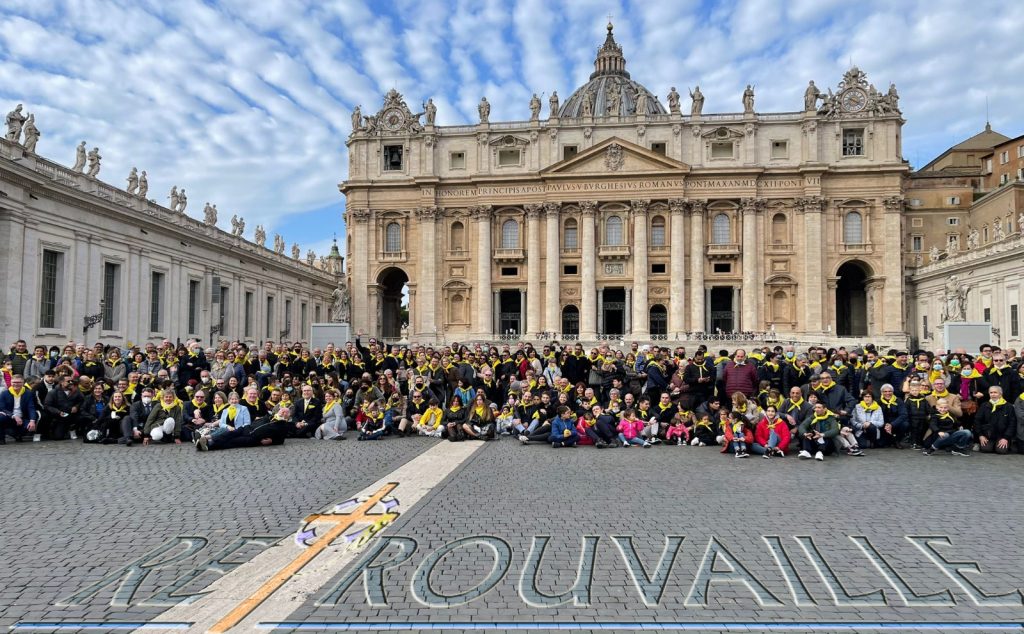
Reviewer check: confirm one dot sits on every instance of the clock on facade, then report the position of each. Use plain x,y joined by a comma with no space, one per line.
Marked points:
854,100
393,119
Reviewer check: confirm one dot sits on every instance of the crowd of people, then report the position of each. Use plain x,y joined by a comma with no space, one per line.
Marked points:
770,401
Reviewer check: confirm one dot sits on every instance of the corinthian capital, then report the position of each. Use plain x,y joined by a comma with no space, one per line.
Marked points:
752,205
811,204
588,207
533,209
893,204
480,211
359,215
698,207
677,205
640,206
552,208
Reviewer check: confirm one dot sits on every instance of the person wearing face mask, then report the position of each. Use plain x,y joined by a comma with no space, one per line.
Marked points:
1000,375
192,364
135,422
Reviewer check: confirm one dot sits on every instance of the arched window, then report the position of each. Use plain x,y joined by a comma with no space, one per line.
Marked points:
658,231
613,231
780,232
571,234
392,238
456,237
984,234
853,228
510,234
721,233
658,320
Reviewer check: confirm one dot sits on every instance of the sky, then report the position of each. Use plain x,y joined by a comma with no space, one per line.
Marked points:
247,104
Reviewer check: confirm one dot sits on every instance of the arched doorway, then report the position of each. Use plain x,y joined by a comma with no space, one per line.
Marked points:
852,300
571,320
394,302
658,325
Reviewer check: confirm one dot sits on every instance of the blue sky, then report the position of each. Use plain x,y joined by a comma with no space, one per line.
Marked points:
246,104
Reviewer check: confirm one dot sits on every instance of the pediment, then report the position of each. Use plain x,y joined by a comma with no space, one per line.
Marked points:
615,156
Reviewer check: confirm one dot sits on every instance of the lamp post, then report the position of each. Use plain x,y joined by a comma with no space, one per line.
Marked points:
215,329
91,320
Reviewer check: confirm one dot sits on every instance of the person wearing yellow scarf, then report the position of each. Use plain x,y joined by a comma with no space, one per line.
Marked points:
816,433
995,423
947,433
165,420
867,421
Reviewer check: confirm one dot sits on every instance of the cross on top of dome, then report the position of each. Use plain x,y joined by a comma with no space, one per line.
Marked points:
609,59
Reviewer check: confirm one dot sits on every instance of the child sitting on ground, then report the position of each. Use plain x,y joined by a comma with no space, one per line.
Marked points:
703,433
677,431
630,428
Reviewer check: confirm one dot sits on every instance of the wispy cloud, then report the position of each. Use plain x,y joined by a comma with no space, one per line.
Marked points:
247,105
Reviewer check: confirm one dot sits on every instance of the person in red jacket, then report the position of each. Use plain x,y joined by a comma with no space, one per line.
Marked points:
771,436
740,376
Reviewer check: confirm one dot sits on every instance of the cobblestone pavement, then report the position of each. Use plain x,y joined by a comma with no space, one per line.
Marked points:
72,514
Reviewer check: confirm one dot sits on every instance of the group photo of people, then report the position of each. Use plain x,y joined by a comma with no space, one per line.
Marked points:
771,401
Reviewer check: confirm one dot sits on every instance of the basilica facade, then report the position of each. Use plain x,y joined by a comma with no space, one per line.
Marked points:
616,217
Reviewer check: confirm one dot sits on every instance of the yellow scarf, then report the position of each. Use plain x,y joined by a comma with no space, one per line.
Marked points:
795,405
217,409
479,411
942,394
167,408
869,408
995,404
16,393
890,403
328,407
232,412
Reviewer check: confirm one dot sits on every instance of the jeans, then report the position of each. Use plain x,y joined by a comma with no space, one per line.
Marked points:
635,440
773,441
960,439
824,445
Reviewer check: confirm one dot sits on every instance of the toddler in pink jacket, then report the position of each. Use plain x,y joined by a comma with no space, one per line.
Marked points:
630,428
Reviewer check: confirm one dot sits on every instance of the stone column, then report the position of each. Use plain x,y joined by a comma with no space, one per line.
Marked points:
552,322
361,307
524,306
600,311
496,312
813,208
751,275
589,307
427,284
677,289
533,251
892,266
640,325
697,314
628,314
831,285
484,321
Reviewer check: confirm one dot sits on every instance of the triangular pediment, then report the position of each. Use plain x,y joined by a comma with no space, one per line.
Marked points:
615,156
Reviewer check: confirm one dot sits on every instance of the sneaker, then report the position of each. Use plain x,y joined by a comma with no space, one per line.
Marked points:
916,447
976,447
804,455
73,435
963,453
556,445
856,451
742,454
780,453
679,441
767,454
523,439
601,444
626,445
819,456
37,437
647,445
201,444
927,452
702,444
655,441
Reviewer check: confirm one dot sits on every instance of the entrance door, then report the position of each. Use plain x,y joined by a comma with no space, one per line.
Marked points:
510,312
571,321
394,304
723,315
614,308
851,301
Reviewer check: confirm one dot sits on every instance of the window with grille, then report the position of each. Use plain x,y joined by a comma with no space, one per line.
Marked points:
156,301
613,231
658,231
222,317
853,228
193,306
571,234
853,142
510,234
270,318
392,238
1014,324
248,313
111,293
721,233
51,289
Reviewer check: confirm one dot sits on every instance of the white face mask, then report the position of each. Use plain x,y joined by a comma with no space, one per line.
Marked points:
146,400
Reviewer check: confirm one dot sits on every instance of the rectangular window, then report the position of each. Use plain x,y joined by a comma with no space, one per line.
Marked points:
507,158
288,316
571,236
952,222
1014,324
658,148
392,158
853,142
1020,151
924,327
953,200
780,149
1004,179
1020,174
570,269
223,316
457,160
510,271
156,301
917,243
316,314
721,149
303,320
248,313
988,166
51,289
193,306
111,293
569,151
1004,158
722,267
658,268
270,318
987,315
915,202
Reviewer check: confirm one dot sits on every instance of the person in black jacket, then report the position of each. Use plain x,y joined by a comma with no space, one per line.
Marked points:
700,376
996,423
264,432
1000,375
64,407
307,414
919,414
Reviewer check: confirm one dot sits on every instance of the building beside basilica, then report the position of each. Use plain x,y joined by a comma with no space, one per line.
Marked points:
614,217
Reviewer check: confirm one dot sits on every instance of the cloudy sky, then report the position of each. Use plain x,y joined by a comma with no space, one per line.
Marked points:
246,104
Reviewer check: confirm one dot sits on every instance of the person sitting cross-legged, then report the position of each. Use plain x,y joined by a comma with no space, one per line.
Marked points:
165,421
817,433
947,434
563,429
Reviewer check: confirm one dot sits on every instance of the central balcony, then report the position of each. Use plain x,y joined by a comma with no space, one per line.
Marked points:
723,251
613,251
509,255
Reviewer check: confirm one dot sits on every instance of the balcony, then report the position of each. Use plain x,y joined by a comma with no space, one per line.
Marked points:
855,248
393,256
658,250
457,254
570,252
779,247
723,251
613,251
509,255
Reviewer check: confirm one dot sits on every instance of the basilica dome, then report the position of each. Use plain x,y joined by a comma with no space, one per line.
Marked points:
610,90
